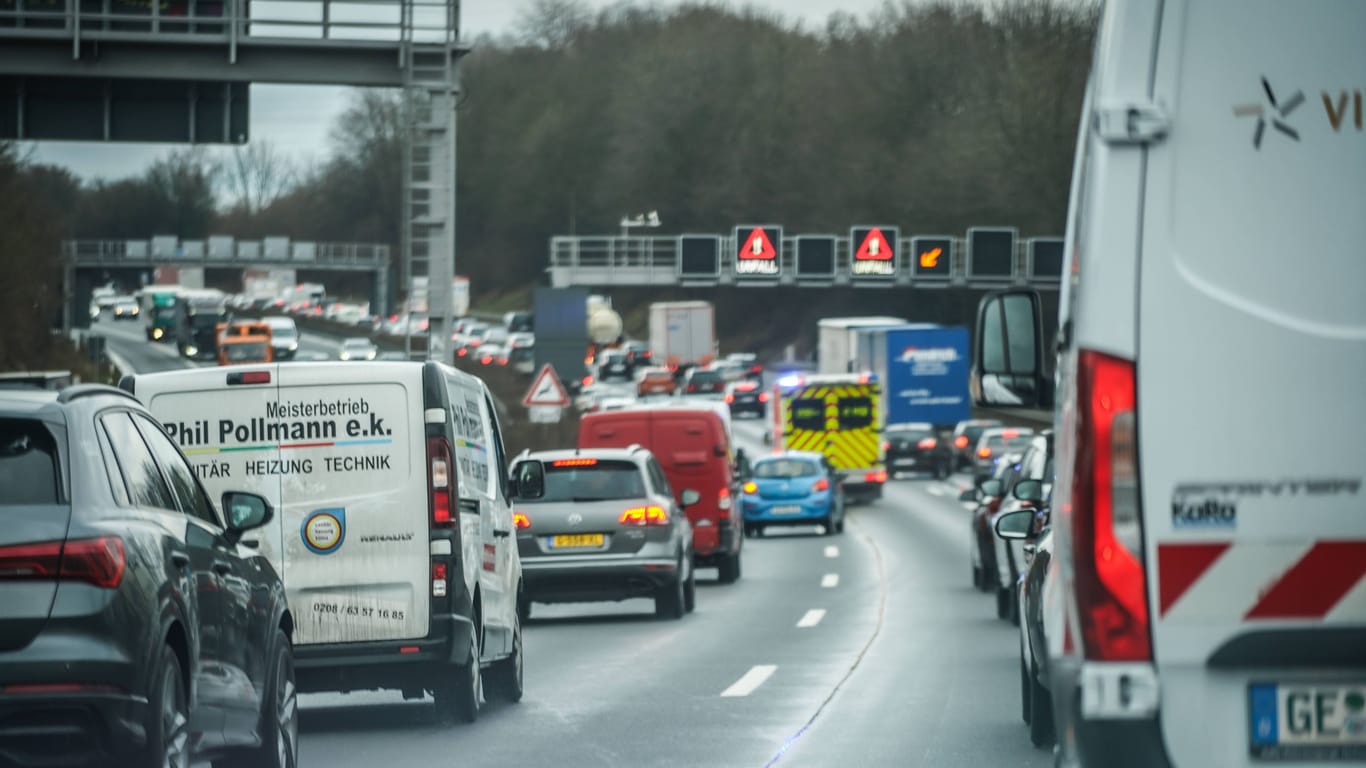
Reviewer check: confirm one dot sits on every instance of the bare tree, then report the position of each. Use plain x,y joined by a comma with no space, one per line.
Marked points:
257,175
553,23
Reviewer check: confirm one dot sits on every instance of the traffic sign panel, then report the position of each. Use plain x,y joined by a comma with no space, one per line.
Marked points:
758,252
932,257
815,257
991,253
874,252
1045,258
699,256
546,390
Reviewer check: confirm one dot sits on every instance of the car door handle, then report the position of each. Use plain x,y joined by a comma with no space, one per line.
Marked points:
251,543
501,533
180,559
222,569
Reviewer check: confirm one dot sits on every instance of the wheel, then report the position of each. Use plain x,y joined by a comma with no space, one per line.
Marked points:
1026,694
457,692
1014,610
729,569
1041,710
829,524
751,530
1002,603
279,728
839,527
168,716
977,577
523,608
690,591
669,601
503,679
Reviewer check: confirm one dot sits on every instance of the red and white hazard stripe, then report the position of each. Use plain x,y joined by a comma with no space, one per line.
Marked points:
1321,581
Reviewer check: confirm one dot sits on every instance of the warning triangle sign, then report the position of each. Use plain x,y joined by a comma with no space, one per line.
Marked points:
875,248
757,246
546,390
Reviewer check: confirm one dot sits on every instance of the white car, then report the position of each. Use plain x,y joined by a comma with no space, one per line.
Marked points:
358,348
284,336
1213,575
394,582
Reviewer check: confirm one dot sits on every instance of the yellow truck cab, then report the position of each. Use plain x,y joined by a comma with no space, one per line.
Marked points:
840,416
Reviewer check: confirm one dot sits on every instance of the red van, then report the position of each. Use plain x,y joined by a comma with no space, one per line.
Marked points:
693,447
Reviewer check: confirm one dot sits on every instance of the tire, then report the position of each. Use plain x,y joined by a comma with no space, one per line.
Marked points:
1026,693
829,524
751,530
1002,603
839,527
279,727
690,591
1014,611
523,609
1041,710
457,692
168,716
669,601
728,572
503,680
977,577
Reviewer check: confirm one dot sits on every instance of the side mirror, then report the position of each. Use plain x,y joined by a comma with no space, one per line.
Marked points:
528,480
968,495
1015,525
245,511
1028,490
1007,352
990,487
689,497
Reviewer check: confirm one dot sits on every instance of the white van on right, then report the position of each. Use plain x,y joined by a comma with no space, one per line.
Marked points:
1209,517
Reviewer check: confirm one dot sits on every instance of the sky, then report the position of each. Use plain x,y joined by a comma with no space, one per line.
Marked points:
297,120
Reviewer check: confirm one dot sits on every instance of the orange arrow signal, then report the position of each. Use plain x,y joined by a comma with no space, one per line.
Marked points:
930,259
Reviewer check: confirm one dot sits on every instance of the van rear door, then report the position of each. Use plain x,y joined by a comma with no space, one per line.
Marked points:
354,483
692,449
1251,341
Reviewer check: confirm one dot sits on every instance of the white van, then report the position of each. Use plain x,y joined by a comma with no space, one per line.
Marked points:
393,581
1209,517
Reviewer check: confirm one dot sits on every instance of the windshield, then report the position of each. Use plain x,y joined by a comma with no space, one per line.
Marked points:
785,468
596,481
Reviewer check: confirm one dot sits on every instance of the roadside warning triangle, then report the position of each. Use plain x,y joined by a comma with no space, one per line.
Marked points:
757,246
875,248
546,390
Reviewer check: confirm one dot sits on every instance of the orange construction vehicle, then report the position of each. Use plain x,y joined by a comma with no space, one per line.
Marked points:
244,341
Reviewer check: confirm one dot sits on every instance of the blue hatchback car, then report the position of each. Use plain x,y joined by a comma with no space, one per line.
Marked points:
793,488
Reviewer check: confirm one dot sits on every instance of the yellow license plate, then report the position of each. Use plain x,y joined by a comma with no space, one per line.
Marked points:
577,540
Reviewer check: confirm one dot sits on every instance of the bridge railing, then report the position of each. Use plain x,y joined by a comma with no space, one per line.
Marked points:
225,252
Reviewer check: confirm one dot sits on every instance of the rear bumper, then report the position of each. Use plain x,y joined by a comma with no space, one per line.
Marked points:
388,664
1107,715
548,581
916,461
72,728
809,511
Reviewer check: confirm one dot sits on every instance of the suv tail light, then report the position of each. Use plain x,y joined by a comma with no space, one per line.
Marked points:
439,478
1106,527
927,444
763,397
984,453
650,515
100,562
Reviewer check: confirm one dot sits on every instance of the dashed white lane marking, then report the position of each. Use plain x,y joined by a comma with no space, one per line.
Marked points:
936,490
832,551
755,677
830,580
812,618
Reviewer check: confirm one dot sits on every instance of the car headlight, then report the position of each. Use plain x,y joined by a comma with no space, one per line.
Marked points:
293,346
191,350
157,333
370,355
346,355
135,311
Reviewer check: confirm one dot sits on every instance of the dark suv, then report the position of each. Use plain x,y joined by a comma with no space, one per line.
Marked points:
137,628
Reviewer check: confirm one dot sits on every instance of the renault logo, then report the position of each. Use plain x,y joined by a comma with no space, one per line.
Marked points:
1277,111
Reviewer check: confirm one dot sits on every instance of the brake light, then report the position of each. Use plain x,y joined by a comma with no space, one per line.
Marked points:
588,381
756,369
723,498
886,446
438,579
879,476
574,463
248,377
520,520
486,359
100,561
1010,434
751,487
474,343
1106,527
821,485
961,441
763,397
984,453
439,478
650,515
927,443
729,398
461,352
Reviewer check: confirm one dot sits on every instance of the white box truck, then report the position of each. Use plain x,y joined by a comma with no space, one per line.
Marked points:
836,342
683,333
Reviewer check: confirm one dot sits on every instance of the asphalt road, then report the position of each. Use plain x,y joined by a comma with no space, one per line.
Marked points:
868,648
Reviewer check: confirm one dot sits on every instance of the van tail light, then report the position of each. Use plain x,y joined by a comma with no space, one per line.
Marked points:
961,441
927,444
879,476
100,561
983,453
439,573
821,485
1104,506
723,498
520,521
650,515
439,480
751,487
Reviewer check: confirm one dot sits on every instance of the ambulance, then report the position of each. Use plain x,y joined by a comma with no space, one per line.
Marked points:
840,416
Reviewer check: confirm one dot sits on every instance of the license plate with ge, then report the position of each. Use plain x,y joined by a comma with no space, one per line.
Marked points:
1310,721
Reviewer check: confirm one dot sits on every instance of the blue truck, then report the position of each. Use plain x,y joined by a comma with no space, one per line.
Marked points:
923,369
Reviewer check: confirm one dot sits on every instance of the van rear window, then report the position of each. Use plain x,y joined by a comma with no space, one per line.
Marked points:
28,463
808,415
856,412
